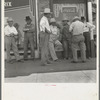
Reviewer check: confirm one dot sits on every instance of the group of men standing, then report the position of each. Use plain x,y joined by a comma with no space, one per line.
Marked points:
11,31
74,36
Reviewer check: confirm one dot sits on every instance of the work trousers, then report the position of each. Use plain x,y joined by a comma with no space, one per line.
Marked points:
29,39
78,43
67,49
10,43
87,43
52,50
44,47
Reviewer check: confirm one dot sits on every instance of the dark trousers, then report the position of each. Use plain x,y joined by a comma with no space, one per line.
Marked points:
67,49
29,39
78,43
87,43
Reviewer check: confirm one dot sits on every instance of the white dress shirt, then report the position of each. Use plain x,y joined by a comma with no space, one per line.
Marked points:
88,27
8,30
44,23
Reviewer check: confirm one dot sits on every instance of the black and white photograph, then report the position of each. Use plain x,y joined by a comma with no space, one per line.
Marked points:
50,49
50,41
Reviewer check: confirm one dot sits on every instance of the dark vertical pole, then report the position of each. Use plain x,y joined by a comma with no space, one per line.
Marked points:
0,54
51,6
35,23
86,3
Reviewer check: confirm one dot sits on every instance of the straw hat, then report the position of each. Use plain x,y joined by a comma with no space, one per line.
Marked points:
52,20
76,18
47,10
10,19
65,19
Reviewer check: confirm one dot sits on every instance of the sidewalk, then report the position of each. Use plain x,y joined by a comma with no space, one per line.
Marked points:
57,77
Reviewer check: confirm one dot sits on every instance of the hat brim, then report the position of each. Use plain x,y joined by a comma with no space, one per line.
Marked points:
28,19
47,12
65,20
52,22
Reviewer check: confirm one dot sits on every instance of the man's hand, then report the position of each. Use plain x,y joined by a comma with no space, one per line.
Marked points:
47,31
12,34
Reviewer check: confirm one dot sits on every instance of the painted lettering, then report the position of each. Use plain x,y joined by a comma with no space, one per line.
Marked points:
8,4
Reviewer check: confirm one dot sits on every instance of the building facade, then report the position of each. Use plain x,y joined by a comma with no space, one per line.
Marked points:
34,8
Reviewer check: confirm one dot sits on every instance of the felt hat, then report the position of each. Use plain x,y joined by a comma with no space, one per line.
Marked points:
52,20
28,18
76,18
47,10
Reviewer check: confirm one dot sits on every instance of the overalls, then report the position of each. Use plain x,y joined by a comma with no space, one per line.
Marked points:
29,39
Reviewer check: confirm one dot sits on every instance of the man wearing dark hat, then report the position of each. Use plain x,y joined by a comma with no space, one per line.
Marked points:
44,37
66,39
77,28
19,36
29,30
88,27
10,33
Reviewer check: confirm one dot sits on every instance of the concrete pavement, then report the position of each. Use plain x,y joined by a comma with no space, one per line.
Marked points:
57,77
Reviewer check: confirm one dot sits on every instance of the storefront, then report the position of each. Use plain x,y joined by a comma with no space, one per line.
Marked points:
34,8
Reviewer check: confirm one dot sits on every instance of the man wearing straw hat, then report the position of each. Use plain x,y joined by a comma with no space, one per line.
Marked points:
10,31
53,41
66,39
77,28
44,37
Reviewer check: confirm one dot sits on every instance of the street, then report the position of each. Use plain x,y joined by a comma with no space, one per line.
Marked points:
62,71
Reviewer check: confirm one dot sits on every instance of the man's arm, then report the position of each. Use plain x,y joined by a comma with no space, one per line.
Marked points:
47,31
32,29
14,31
91,26
25,29
71,28
6,31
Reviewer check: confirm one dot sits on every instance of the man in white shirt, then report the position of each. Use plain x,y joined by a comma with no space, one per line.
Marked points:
10,31
44,37
77,28
88,27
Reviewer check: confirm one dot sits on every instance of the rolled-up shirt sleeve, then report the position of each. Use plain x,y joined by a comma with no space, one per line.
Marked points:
6,31
15,31
91,26
42,25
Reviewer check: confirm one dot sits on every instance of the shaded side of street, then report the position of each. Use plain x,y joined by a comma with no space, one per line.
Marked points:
32,67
